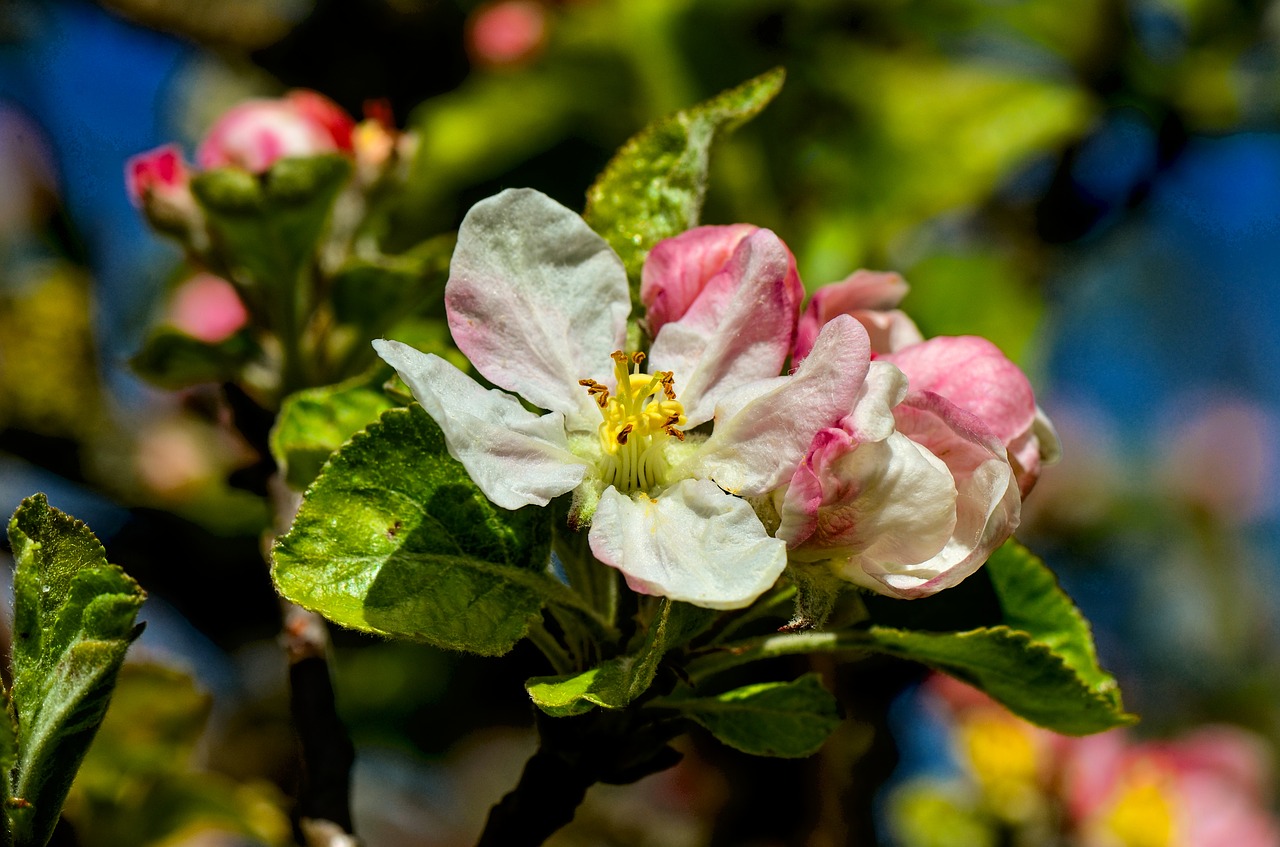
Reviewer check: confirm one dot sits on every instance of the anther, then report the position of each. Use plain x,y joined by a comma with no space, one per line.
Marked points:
624,432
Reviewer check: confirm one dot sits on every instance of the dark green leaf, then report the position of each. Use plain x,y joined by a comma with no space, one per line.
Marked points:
374,295
1033,602
617,682
314,423
1025,675
654,187
73,620
267,229
788,719
173,360
1009,630
394,538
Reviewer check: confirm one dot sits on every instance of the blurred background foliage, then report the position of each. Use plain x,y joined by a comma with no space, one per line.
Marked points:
1094,185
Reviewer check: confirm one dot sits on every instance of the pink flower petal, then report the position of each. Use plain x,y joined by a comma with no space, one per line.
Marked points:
677,269
869,296
736,331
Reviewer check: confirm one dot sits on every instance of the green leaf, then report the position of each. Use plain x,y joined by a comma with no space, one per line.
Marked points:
171,359
1026,675
1038,660
787,719
394,538
73,620
654,187
313,423
1009,630
617,682
1033,602
374,294
267,229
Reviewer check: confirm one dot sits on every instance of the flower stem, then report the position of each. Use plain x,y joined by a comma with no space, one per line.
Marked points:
770,646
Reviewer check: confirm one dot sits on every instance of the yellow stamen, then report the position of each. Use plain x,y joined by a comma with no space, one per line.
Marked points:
636,421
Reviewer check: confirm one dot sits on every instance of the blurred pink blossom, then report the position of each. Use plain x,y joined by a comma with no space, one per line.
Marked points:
255,134
1230,441
507,33
207,307
1206,789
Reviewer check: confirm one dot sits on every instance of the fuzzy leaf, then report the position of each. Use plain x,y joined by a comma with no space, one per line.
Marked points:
313,423
654,187
787,719
617,682
394,538
73,621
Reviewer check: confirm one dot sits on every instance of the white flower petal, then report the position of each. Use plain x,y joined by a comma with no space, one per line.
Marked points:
872,415
692,543
516,457
757,445
889,500
537,301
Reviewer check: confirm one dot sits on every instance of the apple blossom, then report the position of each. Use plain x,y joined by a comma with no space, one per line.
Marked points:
539,302
908,495
255,134
970,372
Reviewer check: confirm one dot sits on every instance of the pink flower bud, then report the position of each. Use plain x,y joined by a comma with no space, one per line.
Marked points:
973,374
207,307
507,33
158,171
257,133
159,183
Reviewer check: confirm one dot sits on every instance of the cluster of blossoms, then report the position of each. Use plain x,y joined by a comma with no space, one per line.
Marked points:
253,136
706,465
1209,788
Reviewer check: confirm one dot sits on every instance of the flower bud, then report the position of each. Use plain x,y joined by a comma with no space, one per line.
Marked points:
159,183
257,133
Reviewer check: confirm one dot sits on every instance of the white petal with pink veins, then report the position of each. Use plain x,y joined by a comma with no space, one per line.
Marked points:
516,457
693,543
537,301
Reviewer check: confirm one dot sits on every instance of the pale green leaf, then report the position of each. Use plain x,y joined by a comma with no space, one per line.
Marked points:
73,621
315,422
655,185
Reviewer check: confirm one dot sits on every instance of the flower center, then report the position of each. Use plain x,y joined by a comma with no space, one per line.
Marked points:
637,421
